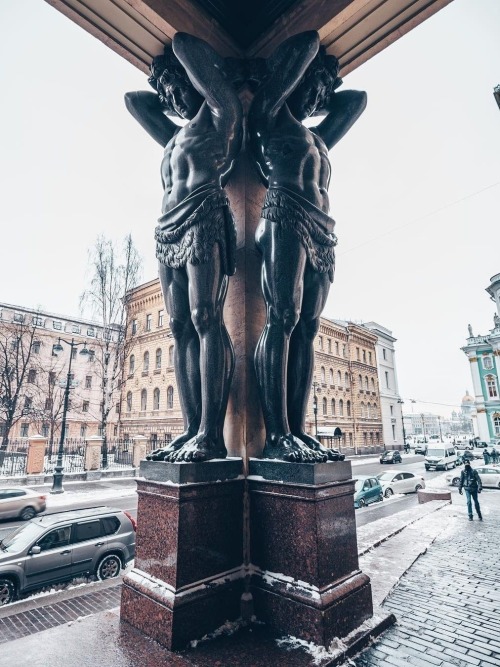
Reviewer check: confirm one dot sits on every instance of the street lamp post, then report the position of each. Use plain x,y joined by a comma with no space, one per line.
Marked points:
315,410
423,427
400,400
57,486
440,432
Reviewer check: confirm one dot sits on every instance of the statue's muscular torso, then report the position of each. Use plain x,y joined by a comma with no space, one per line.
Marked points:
195,156
296,158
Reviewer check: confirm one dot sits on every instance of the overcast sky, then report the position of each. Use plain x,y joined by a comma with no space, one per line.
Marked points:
415,186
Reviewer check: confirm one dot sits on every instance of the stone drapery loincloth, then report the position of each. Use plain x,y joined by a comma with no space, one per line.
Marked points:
187,232
312,227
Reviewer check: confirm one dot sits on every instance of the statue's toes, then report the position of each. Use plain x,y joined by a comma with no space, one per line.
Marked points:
198,456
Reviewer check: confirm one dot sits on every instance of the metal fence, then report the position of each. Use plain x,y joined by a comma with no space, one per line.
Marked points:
14,458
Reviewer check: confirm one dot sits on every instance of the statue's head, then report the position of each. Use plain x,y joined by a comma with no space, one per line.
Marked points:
170,80
319,81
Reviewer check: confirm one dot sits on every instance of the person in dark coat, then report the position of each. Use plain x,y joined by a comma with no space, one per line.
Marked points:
471,483
486,456
494,455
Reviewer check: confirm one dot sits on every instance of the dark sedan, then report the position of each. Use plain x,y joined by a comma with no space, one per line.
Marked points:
391,456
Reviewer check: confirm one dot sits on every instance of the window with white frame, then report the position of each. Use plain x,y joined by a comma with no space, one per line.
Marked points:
158,359
57,325
491,384
496,425
149,320
161,313
37,321
36,347
156,399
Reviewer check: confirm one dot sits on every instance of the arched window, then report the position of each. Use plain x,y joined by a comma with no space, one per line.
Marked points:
487,363
144,400
368,410
158,359
492,386
496,425
341,408
333,407
171,355
366,382
374,411
348,407
323,376
360,382
325,407
129,401
145,363
346,380
350,439
170,398
377,437
156,399
339,378
331,376
131,365
373,384
362,409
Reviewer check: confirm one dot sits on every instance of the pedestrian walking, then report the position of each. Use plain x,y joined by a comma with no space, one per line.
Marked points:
471,483
486,456
494,455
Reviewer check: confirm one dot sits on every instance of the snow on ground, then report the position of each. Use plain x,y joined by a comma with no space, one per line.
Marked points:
101,494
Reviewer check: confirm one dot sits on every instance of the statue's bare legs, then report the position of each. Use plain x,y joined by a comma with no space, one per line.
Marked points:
283,267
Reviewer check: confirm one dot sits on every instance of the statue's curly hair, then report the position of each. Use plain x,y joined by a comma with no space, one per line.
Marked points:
323,63
166,66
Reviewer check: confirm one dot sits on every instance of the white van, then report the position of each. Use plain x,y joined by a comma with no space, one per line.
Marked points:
442,456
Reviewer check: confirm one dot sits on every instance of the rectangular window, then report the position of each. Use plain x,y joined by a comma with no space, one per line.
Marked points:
32,375
48,404
83,430
24,430
134,327
329,344
91,356
19,318
387,379
85,406
73,353
160,317
52,378
36,347
75,328
357,354
149,319
45,430
88,382
364,356
370,358
28,402
57,325
87,531
38,321
320,342
392,410
91,332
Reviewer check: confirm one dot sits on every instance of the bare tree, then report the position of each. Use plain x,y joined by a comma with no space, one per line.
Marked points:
19,375
114,271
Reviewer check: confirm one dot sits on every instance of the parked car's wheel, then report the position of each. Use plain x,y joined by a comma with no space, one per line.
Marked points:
109,567
361,502
7,591
418,487
28,513
455,481
388,493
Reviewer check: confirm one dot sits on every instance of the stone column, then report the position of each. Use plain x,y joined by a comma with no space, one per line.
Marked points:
139,446
36,454
306,580
93,446
188,576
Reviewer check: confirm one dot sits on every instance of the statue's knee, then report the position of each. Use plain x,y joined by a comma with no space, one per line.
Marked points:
287,318
177,327
311,328
202,317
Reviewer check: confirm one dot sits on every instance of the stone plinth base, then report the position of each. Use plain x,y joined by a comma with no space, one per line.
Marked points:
425,496
306,580
189,573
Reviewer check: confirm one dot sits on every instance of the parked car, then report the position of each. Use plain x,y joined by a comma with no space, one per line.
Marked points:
59,547
421,449
20,503
390,456
490,476
400,482
367,490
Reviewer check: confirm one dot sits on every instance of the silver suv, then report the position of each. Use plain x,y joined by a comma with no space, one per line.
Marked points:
59,547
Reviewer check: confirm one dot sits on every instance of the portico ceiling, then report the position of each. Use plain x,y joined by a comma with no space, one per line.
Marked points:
353,30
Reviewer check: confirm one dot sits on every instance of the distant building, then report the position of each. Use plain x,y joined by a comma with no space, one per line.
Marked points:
345,379
42,391
483,353
390,401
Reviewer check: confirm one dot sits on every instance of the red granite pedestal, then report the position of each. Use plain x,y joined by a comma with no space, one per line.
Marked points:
188,575
306,580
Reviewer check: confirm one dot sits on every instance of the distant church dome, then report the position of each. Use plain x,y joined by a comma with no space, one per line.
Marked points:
467,398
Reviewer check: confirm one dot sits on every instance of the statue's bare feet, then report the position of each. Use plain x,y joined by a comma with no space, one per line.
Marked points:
289,448
200,448
312,443
177,443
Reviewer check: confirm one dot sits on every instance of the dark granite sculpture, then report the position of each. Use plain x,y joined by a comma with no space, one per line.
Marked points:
295,234
196,234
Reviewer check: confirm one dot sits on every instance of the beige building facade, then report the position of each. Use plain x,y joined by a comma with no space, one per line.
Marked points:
345,379
41,394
